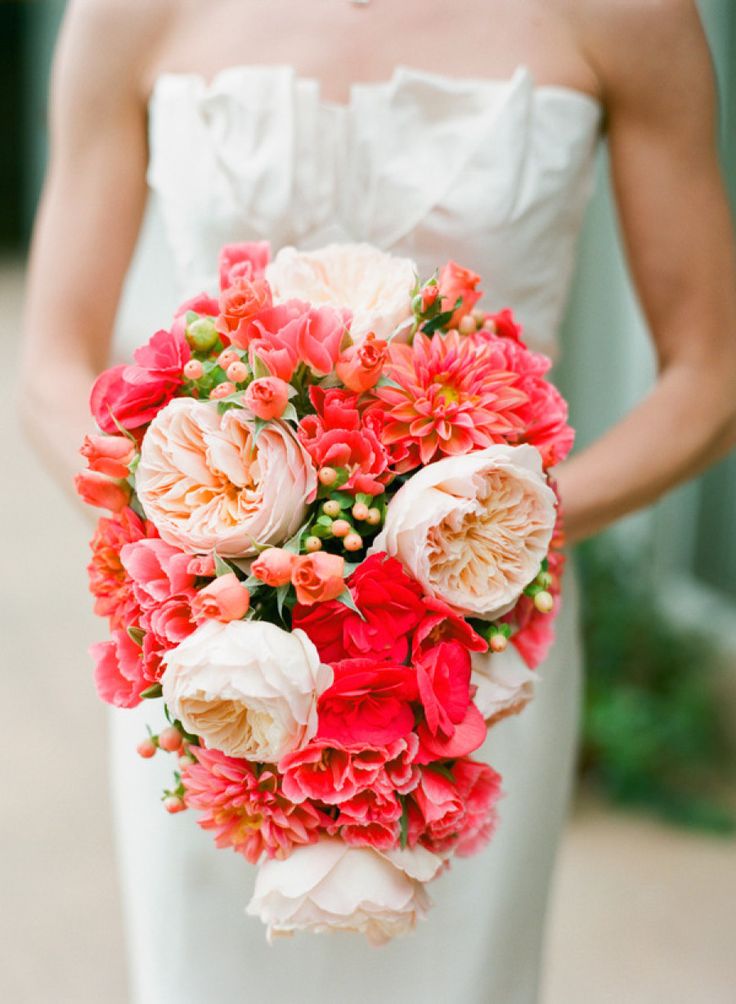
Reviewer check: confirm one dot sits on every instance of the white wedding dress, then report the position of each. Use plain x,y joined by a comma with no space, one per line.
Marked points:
496,175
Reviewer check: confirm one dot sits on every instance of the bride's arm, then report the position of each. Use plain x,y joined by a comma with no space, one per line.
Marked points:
87,223
656,77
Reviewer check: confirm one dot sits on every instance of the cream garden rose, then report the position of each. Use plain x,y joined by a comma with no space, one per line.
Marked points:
248,688
504,683
330,885
204,483
473,529
374,285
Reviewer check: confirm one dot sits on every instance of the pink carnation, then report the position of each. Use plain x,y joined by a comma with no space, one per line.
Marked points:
456,812
247,812
371,819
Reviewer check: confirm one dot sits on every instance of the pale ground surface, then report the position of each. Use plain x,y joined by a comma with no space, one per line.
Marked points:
641,914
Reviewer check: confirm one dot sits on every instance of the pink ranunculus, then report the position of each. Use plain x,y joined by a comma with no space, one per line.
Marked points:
318,577
109,582
338,435
247,259
131,395
267,397
360,366
110,455
240,303
370,819
369,703
119,675
455,281
443,678
157,569
206,482
274,566
98,490
321,336
224,599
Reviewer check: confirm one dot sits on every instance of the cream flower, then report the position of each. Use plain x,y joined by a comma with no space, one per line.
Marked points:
330,886
247,687
204,483
374,285
473,529
504,681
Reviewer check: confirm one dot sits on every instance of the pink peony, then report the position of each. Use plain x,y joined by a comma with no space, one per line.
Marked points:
451,398
206,482
109,582
390,605
119,675
455,281
130,396
247,810
339,436
98,490
224,599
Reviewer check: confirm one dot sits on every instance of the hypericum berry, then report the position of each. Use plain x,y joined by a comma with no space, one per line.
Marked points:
499,642
545,579
226,357
477,315
202,334
360,511
467,325
237,371
544,601
224,389
172,803
374,517
313,544
146,748
193,370
327,476
341,528
331,508
170,739
353,542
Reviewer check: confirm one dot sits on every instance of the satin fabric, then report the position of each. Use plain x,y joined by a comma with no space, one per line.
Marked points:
495,174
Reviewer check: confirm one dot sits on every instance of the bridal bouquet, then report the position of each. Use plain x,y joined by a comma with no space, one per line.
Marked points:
333,552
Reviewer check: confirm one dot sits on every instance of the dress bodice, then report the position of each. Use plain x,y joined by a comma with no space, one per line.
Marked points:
493,173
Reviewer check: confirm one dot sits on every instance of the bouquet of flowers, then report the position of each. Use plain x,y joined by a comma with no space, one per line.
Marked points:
334,552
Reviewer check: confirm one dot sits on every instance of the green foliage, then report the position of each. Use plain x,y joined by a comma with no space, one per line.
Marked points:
654,734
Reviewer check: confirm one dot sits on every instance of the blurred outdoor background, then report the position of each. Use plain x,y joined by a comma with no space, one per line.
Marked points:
643,908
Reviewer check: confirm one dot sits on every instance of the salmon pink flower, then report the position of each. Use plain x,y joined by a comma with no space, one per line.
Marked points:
450,399
455,281
360,366
224,599
110,455
247,259
119,676
157,570
98,490
109,582
240,303
318,577
267,397
274,567
245,810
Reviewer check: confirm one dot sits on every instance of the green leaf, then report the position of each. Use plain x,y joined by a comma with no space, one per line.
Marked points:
346,598
365,498
294,543
260,369
289,413
384,381
443,769
155,690
281,594
259,424
404,824
221,566
136,635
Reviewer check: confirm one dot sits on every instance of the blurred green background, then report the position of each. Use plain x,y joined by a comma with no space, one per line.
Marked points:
659,588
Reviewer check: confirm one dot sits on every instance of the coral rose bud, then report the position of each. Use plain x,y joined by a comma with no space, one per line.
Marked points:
146,748
98,490
202,565
456,281
172,804
170,739
360,511
318,577
224,599
467,325
274,566
331,508
193,370
226,357
224,389
327,476
498,642
544,601
201,335
353,542
313,544
109,455
267,397
374,517
341,528
360,366
429,295
237,371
